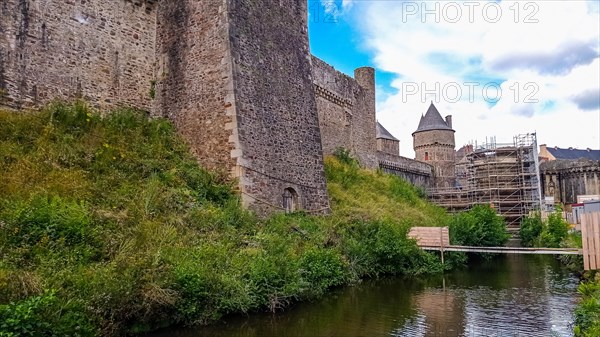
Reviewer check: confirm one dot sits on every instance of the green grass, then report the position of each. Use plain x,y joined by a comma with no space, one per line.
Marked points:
372,195
109,227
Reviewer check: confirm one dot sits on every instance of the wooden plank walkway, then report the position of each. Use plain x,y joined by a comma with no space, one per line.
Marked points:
438,239
507,250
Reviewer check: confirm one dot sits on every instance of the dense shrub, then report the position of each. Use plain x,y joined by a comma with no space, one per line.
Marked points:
550,233
480,226
554,231
531,228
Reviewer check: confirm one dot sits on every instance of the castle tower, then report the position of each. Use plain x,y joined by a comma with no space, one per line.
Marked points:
433,142
235,77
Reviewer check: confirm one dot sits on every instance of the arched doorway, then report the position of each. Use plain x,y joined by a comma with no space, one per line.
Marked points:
290,200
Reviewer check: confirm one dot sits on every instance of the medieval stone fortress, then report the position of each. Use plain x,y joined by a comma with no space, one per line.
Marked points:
242,88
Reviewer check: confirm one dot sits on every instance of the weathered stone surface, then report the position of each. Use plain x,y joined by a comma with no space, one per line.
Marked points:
278,128
346,108
566,179
388,146
194,85
236,78
102,51
416,172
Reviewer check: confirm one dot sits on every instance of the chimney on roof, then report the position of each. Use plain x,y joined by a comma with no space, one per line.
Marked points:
543,148
449,121
589,150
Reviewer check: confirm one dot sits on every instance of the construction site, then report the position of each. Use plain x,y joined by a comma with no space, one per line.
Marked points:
502,175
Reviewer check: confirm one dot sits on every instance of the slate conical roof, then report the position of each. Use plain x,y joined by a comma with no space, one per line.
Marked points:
432,121
383,133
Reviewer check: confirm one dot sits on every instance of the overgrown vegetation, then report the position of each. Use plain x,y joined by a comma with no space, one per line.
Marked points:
109,227
587,313
552,233
367,195
480,226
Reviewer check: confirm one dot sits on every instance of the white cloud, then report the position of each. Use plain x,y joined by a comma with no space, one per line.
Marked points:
554,58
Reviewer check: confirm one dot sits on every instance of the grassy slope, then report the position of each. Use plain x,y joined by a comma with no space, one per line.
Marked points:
107,226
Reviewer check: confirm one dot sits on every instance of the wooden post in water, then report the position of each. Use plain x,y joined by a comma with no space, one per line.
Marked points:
442,243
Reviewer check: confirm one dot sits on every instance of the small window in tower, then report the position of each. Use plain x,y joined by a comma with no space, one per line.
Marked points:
426,155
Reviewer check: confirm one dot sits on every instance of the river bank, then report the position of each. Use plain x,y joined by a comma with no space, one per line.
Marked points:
507,296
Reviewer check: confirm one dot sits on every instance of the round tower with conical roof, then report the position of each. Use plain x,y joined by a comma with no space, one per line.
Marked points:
433,143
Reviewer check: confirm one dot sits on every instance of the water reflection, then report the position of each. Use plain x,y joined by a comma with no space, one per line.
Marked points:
509,297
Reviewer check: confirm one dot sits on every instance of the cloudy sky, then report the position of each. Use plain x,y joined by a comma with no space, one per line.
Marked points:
501,68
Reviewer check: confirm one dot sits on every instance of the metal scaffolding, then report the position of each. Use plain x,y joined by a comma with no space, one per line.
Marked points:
504,176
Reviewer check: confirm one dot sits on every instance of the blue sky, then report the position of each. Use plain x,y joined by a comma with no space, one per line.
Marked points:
499,67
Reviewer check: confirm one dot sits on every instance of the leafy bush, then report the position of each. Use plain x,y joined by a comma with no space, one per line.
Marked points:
323,268
480,226
531,228
345,157
550,233
555,231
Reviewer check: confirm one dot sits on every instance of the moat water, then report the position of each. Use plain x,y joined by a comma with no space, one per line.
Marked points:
510,296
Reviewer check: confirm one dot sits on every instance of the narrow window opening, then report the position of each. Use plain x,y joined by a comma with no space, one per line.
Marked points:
426,156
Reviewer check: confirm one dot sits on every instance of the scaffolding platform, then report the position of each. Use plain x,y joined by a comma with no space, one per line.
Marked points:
504,176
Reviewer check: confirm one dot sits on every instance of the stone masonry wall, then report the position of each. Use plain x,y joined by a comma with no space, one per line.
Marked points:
416,172
566,179
102,51
346,109
194,85
388,146
275,107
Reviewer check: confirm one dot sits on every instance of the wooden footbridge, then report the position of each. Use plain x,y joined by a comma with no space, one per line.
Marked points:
438,239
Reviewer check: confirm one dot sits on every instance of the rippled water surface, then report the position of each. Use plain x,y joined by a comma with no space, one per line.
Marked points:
508,297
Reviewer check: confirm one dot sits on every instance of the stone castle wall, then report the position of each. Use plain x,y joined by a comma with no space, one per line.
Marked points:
101,51
194,85
416,172
346,108
236,78
233,76
276,112
388,146
566,179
